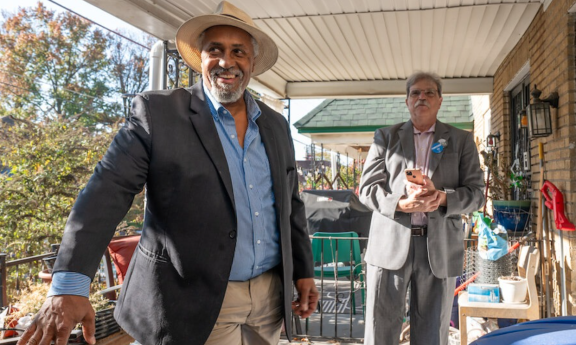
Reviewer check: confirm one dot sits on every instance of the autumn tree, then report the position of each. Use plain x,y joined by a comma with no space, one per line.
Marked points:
54,63
129,66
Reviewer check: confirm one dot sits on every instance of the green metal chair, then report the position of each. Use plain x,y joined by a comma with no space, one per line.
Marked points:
333,248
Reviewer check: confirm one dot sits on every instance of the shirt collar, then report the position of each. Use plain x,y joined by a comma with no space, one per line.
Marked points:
252,108
429,130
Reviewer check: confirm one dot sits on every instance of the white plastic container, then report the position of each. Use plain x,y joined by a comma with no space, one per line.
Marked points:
513,289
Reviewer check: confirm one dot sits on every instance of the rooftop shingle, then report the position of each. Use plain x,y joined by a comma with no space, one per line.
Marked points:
379,112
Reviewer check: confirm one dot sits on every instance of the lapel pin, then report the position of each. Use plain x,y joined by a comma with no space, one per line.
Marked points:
439,146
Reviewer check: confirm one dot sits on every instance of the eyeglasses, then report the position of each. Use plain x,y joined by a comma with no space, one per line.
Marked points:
428,93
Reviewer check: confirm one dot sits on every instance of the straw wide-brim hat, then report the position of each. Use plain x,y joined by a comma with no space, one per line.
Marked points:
225,14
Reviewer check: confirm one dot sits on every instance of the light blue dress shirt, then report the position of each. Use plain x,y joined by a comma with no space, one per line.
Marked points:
257,242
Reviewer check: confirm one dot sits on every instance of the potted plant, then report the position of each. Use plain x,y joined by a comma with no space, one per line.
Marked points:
513,289
508,187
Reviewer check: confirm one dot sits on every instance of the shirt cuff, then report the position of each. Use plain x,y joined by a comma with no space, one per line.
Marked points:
69,283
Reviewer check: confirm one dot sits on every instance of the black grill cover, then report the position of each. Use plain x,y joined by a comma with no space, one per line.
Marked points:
336,211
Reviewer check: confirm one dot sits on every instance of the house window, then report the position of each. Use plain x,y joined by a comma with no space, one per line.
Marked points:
520,143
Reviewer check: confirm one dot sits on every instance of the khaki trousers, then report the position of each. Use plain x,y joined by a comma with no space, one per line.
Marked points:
251,313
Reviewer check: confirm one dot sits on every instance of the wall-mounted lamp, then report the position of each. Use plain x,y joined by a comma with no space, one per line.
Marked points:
492,140
539,119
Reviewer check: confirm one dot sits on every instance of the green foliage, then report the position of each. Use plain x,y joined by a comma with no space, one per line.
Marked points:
504,181
60,81
49,163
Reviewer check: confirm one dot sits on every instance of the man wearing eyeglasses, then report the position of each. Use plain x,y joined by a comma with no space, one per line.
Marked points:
416,234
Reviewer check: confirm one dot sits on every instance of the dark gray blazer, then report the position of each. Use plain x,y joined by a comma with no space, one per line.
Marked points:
382,185
178,275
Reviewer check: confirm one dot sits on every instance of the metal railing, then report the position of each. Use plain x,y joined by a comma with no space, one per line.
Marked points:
340,313
32,265
340,279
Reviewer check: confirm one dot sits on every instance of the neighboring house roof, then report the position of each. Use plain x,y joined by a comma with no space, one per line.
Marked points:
369,114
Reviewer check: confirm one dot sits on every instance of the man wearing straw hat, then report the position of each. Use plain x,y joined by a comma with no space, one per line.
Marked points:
224,234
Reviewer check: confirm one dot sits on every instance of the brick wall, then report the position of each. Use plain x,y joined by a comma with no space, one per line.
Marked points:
548,45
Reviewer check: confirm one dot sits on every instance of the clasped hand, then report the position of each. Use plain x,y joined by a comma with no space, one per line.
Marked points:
420,198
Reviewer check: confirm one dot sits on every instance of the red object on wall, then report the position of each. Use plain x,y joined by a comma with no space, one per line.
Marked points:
121,250
555,202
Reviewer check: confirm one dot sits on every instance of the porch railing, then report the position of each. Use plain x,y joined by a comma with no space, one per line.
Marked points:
32,265
340,312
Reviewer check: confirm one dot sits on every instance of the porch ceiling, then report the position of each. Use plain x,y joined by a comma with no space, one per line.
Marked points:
350,48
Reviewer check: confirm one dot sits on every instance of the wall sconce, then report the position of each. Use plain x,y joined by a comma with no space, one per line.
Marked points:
539,119
492,141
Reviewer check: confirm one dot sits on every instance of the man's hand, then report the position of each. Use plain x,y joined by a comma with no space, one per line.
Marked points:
426,188
421,198
57,318
429,185
420,201
414,189
307,300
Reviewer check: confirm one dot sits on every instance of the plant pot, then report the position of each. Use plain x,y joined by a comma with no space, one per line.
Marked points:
513,289
513,215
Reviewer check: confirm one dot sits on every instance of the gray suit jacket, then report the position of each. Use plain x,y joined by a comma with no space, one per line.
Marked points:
178,275
382,185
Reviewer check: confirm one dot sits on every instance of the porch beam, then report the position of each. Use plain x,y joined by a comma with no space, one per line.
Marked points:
383,88
159,21
269,83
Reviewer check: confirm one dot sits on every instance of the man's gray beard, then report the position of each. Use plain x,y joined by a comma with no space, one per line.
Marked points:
223,93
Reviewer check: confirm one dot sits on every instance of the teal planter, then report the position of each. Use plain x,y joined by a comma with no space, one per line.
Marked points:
511,214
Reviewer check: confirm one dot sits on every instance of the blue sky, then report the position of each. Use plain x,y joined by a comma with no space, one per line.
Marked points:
299,108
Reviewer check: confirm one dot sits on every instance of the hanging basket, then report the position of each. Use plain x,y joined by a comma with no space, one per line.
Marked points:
513,215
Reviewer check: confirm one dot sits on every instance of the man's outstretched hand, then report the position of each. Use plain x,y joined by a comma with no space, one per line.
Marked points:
57,318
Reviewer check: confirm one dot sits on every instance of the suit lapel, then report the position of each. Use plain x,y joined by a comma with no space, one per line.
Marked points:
441,132
406,134
271,147
203,123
